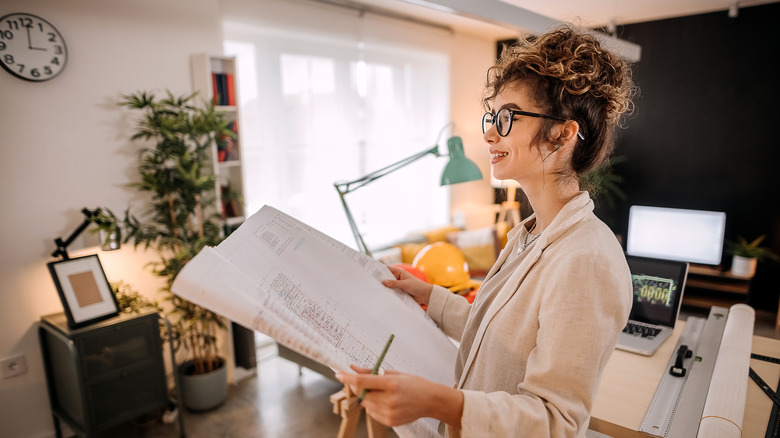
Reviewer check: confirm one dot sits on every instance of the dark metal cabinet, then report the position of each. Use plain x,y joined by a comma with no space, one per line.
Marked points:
104,374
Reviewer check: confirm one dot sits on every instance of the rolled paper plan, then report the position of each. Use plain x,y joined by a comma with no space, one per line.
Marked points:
724,408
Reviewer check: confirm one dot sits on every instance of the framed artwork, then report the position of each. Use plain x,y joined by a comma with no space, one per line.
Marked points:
84,290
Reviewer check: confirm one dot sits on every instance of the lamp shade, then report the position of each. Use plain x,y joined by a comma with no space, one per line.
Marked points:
459,169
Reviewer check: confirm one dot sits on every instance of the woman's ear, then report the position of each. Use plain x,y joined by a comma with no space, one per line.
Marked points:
569,131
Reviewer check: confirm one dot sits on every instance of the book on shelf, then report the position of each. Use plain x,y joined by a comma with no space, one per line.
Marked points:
223,85
227,146
215,89
231,89
230,206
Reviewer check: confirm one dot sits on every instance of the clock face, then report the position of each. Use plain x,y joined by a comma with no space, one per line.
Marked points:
31,48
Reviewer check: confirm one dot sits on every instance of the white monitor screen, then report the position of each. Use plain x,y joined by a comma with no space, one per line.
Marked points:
693,236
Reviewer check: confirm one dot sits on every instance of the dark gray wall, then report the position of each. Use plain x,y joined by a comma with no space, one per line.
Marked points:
705,133
706,130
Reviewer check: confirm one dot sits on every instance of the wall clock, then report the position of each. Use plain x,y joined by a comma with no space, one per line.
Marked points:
31,48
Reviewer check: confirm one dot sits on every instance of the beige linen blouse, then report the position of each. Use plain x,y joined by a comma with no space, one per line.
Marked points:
543,325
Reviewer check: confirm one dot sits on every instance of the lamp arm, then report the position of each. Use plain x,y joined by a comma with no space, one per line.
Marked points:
61,246
349,186
362,247
345,187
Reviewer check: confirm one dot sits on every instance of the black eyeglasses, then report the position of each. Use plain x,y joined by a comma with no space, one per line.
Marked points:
503,120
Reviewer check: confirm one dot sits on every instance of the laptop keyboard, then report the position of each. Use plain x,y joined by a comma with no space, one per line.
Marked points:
642,330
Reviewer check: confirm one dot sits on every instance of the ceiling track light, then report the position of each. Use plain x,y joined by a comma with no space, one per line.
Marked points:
612,26
734,10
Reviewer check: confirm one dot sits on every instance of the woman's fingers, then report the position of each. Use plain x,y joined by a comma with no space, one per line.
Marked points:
359,382
398,273
360,370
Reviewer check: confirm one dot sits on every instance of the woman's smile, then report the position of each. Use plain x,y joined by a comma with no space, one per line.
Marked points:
496,156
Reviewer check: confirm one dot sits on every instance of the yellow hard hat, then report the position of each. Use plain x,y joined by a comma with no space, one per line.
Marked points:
444,265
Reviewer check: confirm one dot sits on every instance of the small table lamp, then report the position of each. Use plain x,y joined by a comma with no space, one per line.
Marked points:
458,169
109,242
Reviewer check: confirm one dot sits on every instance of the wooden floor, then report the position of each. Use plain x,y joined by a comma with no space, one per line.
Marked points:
280,401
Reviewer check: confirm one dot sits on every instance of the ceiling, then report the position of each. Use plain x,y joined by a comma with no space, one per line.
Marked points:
589,13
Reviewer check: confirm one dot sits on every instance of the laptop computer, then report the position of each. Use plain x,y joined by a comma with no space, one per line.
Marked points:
658,290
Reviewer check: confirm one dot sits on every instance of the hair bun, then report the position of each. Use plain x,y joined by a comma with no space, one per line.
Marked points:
582,65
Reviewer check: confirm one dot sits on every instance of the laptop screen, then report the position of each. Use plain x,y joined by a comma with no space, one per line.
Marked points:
658,288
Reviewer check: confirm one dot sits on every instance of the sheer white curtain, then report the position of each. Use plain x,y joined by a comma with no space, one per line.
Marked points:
317,110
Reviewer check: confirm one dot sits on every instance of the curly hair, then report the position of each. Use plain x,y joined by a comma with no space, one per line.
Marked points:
572,77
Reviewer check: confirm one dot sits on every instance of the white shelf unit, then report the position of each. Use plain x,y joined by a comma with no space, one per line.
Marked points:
226,156
228,168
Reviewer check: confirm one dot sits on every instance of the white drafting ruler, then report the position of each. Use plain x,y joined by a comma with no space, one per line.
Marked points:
679,399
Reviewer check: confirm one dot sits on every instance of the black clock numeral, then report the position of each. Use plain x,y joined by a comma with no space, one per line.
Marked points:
35,73
13,24
55,61
58,50
26,22
8,59
52,37
6,35
47,70
2,45
21,67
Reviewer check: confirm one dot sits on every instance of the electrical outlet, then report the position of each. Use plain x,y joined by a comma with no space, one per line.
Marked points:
13,366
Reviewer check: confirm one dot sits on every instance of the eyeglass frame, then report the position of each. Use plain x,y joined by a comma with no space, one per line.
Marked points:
522,113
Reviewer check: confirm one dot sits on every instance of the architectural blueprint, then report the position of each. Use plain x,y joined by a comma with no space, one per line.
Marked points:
318,297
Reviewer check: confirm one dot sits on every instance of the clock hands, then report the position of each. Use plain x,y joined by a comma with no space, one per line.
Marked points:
29,42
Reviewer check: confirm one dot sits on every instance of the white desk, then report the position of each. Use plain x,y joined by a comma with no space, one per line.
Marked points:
630,381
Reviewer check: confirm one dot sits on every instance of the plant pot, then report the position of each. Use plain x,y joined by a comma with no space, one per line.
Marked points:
743,266
201,392
110,241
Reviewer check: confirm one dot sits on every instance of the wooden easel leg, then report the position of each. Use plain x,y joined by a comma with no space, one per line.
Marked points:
345,404
350,416
510,209
375,428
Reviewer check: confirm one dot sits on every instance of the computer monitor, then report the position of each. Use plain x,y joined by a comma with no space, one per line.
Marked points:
694,236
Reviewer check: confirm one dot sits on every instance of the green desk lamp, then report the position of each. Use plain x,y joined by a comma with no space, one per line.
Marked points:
459,169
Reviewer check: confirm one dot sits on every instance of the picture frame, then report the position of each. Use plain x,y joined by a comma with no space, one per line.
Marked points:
84,290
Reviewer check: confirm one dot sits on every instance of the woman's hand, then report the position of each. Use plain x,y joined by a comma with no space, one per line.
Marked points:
398,398
418,289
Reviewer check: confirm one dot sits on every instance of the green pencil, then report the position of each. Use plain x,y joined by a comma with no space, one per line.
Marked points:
377,365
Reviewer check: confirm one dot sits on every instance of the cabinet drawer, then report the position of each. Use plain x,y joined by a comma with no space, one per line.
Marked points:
119,346
127,396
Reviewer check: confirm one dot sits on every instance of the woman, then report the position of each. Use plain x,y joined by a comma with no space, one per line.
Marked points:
534,343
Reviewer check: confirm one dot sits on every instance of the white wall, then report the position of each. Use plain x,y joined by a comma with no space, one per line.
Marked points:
470,57
66,146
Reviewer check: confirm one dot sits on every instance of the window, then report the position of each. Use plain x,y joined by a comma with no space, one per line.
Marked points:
315,111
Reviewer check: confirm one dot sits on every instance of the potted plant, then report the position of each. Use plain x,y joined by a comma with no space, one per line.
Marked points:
130,300
604,184
176,171
108,229
604,187
746,255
